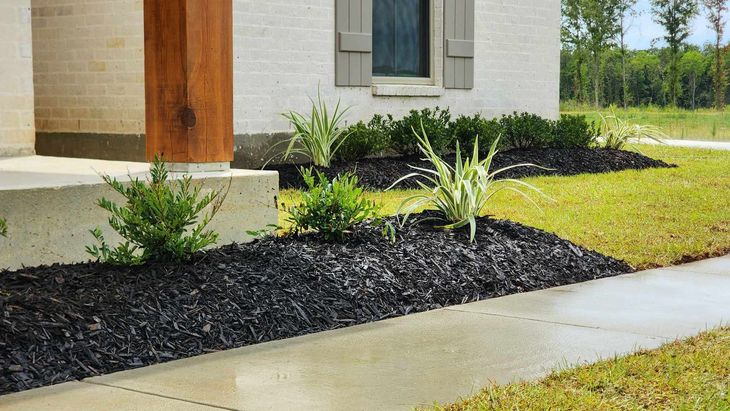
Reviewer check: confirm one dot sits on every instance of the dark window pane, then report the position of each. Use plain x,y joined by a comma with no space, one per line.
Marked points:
401,38
383,37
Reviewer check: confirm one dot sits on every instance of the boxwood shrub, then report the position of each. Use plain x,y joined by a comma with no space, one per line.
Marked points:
465,129
526,130
515,131
435,124
365,140
573,131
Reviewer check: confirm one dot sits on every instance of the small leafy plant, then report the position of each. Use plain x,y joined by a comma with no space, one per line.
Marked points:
617,133
526,130
319,135
465,129
435,122
3,228
365,140
161,220
459,192
331,207
574,131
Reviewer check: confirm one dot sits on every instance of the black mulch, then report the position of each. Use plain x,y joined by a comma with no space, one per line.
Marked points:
380,173
68,322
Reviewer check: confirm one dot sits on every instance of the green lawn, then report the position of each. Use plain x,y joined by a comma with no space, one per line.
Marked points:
686,375
702,124
648,218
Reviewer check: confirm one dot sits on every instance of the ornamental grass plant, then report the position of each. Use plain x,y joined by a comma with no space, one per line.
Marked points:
460,192
617,133
319,135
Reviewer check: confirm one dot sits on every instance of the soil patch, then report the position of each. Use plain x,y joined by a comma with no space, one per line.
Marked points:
380,173
67,322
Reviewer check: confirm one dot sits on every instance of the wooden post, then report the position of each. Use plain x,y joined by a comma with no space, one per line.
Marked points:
188,50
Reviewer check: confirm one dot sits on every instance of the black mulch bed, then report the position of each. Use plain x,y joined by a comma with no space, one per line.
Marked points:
380,173
68,322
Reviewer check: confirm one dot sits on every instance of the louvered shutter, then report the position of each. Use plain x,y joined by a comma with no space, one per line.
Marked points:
459,44
354,43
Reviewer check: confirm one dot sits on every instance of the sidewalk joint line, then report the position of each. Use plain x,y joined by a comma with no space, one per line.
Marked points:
591,327
159,395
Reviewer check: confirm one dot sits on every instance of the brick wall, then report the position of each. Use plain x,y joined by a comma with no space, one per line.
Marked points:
89,63
284,50
17,134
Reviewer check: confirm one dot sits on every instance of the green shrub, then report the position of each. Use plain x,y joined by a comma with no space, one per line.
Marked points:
365,140
319,135
330,207
458,192
435,122
466,129
526,130
617,133
574,131
160,220
3,227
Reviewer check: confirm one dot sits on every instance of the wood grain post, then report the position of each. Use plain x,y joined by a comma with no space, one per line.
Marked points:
188,50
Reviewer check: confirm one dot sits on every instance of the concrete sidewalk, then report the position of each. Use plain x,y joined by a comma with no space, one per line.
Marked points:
416,360
713,145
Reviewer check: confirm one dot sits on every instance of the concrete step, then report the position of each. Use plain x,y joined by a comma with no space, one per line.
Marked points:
50,205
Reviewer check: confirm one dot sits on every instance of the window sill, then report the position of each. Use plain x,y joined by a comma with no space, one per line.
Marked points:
394,90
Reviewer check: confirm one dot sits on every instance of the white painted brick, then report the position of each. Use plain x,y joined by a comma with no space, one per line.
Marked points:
17,129
88,57
283,51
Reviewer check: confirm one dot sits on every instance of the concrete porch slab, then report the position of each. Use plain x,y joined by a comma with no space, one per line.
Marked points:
50,205
21,173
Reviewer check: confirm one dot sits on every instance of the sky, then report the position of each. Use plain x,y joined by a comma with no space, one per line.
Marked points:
644,30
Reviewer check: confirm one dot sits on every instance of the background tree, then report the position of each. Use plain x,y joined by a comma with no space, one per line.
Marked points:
626,13
692,66
675,17
573,37
716,17
645,77
612,73
600,18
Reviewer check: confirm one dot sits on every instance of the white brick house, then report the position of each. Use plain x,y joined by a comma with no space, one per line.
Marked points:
89,81
16,79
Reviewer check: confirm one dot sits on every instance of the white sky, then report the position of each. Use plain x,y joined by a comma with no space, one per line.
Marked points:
644,30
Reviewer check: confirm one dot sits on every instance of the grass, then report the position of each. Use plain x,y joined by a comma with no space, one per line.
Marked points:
701,124
684,375
648,218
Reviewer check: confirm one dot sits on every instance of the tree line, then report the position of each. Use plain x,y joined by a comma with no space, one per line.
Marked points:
597,67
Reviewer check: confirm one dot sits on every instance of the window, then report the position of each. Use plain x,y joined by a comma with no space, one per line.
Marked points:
401,38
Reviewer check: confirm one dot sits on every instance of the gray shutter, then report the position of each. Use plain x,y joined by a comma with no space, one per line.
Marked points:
459,44
354,42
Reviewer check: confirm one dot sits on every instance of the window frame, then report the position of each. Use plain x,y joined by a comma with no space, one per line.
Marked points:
417,81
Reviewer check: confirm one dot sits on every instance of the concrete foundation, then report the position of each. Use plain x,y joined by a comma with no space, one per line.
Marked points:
250,151
215,167
50,205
